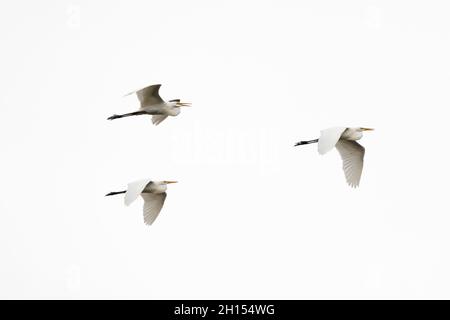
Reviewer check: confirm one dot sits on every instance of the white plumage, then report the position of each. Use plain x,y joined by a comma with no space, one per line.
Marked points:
134,190
329,138
352,154
148,96
153,203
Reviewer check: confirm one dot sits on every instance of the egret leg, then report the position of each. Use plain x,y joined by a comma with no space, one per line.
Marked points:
118,116
114,193
306,142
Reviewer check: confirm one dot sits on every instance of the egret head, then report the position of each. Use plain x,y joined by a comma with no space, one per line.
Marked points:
177,103
184,104
355,133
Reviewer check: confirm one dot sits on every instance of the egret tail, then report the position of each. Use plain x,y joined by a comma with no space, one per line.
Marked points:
306,142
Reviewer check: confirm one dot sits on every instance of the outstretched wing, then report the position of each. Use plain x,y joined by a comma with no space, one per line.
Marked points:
153,203
149,96
352,154
135,189
158,118
329,138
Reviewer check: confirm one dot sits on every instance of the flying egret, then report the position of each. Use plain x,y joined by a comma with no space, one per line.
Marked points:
152,104
153,193
352,153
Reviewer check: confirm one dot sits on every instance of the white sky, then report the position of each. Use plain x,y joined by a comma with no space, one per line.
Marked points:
252,217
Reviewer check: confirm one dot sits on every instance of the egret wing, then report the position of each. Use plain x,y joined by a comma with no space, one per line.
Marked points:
329,138
158,118
352,154
149,95
153,203
135,189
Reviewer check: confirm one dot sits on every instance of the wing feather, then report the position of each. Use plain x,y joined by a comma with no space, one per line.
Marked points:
149,96
329,138
135,189
158,118
352,154
153,203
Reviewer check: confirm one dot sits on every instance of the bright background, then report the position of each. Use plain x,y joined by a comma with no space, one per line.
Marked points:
251,216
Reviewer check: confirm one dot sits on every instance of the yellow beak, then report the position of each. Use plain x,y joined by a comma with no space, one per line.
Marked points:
367,129
168,182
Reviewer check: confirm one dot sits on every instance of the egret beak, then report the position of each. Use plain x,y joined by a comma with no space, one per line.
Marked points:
367,129
169,182
184,104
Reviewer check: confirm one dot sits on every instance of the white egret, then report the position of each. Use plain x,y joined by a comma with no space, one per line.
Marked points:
352,153
153,193
152,104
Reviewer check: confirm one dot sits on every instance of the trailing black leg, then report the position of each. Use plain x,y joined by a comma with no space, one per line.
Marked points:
118,116
306,142
115,116
114,193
